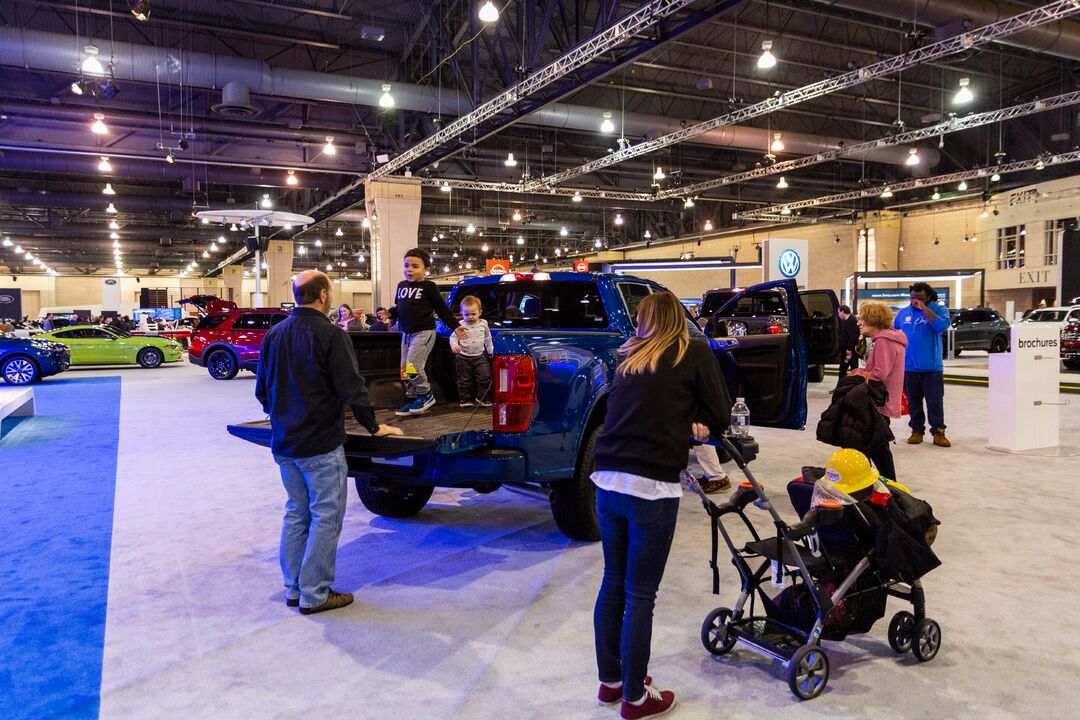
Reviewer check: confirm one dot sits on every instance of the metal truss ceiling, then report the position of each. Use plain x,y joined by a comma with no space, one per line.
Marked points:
960,43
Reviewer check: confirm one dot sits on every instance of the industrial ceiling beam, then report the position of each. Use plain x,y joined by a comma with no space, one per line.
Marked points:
518,188
785,211
951,125
523,98
1049,13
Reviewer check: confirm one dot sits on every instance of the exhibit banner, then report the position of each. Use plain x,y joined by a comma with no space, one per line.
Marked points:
788,259
897,298
110,295
11,303
581,266
498,267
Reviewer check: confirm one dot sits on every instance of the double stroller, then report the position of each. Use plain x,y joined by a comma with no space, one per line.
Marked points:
860,539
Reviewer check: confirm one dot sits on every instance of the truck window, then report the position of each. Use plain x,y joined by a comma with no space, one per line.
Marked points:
632,295
763,303
817,305
540,304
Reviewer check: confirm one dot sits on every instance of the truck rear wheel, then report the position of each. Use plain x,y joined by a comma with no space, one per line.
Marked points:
392,499
573,502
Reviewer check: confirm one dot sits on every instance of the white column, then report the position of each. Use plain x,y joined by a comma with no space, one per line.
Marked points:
393,207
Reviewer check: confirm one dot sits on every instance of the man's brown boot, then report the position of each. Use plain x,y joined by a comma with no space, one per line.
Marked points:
915,438
333,601
940,440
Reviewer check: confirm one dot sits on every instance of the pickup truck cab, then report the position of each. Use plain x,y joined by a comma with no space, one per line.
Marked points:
556,338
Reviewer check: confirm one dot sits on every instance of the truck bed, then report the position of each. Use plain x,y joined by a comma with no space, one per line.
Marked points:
420,431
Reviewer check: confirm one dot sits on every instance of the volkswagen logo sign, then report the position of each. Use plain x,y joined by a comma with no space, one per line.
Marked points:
110,281
789,263
6,299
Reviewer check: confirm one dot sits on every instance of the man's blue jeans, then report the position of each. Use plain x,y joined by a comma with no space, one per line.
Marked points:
637,537
931,387
314,513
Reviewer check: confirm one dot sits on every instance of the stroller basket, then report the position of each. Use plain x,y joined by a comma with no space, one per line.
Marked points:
832,582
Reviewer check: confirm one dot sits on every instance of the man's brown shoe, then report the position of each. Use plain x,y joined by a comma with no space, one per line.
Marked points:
715,485
334,601
940,440
915,438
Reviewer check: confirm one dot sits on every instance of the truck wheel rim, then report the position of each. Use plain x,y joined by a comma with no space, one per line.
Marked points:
19,371
220,364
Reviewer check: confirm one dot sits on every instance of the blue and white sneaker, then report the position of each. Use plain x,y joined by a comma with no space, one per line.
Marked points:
407,409
422,404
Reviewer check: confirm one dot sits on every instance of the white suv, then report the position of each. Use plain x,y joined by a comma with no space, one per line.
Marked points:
1058,315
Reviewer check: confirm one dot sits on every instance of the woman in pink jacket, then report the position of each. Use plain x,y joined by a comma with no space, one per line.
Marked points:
886,365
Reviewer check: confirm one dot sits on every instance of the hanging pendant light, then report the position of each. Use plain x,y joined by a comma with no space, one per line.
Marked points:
708,225
782,184
98,127
516,217
111,209
886,193
510,161
913,157
659,174
328,148
767,59
777,143
577,197
520,240
290,179
365,223
618,219
488,12
90,64
964,94
962,186
386,100
563,231
689,203
607,125
470,228
113,225
108,189
104,165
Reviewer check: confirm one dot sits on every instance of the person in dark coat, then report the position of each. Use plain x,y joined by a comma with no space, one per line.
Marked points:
849,336
852,420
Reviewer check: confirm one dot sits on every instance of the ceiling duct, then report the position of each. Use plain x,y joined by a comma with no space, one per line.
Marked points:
236,102
54,52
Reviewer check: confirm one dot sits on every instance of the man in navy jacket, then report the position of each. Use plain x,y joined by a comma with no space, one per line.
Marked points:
923,322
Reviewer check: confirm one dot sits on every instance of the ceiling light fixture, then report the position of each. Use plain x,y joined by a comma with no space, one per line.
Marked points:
484,247
510,161
365,223
708,226
90,64
520,240
445,187
984,214
936,195
206,255
607,126
964,94
108,189
563,231
782,185
290,179
516,217
785,210
618,219
99,127
213,247
577,197
318,242
995,177
962,186
777,143
328,148
113,225
169,157
114,236
111,209
338,232
7,242
77,87
1040,164
302,250
648,234
767,59
913,157
488,12
386,100
104,165
233,228
659,174
886,193
689,203
470,228
266,203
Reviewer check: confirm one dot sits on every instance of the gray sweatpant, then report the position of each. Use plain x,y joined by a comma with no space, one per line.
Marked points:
415,348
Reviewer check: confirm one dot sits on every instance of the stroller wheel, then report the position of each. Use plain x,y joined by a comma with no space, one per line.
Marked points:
808,672
714,632
900,631
926,639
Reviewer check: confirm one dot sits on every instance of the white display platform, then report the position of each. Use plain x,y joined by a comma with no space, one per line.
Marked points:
16,402
1024,414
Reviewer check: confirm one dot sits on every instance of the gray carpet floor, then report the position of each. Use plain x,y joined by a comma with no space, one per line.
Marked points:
479,608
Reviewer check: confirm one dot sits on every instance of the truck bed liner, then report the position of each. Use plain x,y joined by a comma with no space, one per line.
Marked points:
443,419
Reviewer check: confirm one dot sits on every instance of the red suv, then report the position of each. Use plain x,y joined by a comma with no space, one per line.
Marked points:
1070,345
227,339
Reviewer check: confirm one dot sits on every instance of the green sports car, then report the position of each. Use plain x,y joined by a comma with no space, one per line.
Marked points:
100,345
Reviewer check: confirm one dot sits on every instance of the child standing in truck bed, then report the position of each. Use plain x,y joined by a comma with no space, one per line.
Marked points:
418,301
471,355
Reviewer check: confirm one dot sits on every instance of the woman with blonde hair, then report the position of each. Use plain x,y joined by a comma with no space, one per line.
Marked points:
665,389
885,364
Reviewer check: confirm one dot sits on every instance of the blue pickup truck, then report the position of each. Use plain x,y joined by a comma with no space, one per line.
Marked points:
556,338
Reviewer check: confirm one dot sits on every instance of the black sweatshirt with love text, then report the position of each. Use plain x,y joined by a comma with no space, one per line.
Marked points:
418,302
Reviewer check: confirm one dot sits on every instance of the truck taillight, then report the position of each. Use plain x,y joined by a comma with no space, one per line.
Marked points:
775,329
514,394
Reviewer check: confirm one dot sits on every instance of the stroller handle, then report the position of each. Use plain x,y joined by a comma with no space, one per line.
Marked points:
725,443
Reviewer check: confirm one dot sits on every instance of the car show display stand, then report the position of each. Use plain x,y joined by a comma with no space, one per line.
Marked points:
1024,413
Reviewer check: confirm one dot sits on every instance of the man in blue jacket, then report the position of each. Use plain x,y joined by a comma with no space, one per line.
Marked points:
923,322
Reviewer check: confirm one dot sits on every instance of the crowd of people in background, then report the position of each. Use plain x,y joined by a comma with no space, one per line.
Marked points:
357,321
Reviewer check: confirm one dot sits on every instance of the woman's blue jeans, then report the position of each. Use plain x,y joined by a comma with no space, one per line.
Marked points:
636,536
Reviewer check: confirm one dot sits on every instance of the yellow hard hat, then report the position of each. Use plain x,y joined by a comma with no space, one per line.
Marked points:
850,471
